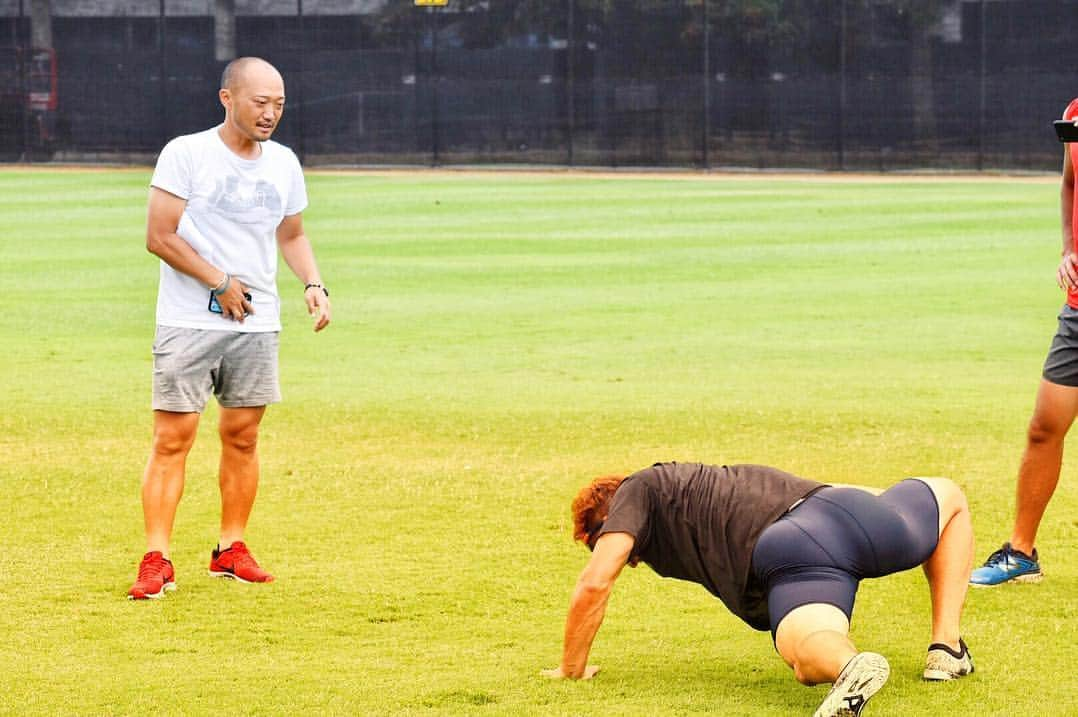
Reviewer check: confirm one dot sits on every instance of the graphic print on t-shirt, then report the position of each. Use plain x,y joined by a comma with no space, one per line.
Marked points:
234,207
245,202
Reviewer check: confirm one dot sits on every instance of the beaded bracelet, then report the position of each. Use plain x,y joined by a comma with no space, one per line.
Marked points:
223,286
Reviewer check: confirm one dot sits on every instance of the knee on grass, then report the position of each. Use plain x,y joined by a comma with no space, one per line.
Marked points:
818,656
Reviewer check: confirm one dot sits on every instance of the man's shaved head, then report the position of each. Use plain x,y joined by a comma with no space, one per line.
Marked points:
237,71
252,94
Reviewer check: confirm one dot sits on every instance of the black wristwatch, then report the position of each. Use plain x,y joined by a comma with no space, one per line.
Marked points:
316,286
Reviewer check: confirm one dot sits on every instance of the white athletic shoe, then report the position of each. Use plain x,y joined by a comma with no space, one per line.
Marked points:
943,663
862,677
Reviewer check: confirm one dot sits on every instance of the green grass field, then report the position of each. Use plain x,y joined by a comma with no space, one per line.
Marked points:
499,339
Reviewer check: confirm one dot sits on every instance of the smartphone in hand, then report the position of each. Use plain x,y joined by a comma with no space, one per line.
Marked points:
215,307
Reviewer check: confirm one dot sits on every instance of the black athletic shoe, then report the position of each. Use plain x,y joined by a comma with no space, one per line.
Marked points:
943,663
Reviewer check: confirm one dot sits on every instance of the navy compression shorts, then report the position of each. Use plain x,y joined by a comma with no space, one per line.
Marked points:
819,551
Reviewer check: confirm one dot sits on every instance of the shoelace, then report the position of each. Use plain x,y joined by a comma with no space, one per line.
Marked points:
149,569
1000,556
242,558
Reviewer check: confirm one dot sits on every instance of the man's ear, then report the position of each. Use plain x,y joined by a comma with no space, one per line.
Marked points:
225,96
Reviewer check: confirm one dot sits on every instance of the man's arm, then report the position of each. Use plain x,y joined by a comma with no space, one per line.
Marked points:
588,605
162,219
297,253
1067,275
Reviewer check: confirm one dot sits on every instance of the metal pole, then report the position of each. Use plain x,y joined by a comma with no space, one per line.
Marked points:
301,140
707,87
570,85
15,27
417,94
842,88
432,29
162,72
983,109
22,60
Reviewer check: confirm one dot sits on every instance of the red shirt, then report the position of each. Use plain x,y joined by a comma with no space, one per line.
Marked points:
1069,114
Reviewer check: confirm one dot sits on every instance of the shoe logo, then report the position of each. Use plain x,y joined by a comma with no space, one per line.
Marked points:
1012,564
854,702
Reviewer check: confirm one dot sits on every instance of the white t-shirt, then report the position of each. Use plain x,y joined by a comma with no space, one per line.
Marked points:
234,206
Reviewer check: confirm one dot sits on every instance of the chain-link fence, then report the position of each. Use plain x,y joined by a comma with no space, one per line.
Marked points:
825,84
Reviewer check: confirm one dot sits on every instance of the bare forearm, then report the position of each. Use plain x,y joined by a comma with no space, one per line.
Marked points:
177,253
1066,202
585,617
299,256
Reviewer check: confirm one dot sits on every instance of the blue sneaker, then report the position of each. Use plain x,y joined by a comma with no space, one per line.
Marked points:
1007,565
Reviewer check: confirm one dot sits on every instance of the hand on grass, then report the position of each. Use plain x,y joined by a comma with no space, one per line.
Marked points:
558,674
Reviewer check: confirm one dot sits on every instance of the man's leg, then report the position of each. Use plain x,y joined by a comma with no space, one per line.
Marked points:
239,469
814,640
162,482
949,565
162,486
1038,474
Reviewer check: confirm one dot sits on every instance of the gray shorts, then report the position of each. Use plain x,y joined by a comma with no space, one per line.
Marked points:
240,369
1061,366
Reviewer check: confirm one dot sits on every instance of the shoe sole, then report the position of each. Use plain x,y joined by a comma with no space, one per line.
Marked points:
237,578
942,675
154,596
858,683
1026,578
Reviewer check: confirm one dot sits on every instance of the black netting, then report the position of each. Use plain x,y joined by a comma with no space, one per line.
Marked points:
826,84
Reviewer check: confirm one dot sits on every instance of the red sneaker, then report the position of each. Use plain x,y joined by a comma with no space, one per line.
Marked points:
236,562
155,576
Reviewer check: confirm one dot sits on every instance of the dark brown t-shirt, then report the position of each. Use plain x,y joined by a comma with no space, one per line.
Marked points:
700,523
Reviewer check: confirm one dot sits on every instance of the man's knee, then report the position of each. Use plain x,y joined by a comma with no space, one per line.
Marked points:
789,650
808,655
809,637
803,677
1056,408
174,436
1045,430
242,438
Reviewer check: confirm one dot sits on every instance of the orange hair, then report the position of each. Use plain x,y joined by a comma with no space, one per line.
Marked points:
589,506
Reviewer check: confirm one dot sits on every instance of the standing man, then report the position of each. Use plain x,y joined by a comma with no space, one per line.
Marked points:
221,203
1057,404
781,552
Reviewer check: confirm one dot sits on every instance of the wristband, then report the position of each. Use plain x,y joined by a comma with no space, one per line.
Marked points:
223,286
316,286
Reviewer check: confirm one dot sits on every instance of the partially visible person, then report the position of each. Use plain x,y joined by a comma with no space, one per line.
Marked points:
222,202
782,553
1017,560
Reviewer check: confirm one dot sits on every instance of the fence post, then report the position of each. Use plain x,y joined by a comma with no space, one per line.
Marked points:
432,26
162,73
224,30
22,88
301,141
842,87
983,104
570,85
707,88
